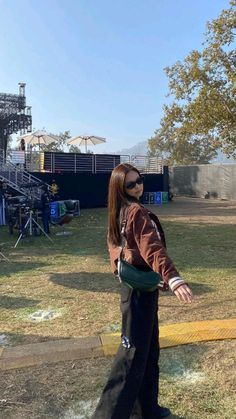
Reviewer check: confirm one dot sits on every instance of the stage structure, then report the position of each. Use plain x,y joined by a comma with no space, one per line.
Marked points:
15,116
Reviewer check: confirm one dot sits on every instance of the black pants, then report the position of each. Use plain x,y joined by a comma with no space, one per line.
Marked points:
132,387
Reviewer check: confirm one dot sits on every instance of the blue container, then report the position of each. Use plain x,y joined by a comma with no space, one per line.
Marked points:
151,197
158,198
54,209
146,198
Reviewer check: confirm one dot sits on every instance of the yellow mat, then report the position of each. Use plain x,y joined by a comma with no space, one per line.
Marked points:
181,334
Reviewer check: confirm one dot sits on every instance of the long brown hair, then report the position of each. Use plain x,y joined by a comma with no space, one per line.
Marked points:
117,200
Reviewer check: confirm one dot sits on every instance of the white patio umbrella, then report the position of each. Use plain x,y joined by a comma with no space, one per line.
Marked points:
86,140
39,138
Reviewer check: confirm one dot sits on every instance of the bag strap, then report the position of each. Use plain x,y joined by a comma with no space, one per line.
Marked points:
123,224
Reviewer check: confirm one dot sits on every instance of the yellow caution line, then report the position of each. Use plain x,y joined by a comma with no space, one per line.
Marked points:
180,334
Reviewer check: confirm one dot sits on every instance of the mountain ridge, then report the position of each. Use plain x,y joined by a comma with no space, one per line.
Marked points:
141,149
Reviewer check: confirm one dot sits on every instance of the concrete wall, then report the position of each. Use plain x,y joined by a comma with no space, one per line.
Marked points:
218,179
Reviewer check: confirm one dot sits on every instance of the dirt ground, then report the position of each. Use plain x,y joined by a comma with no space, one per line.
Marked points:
199,375
199,210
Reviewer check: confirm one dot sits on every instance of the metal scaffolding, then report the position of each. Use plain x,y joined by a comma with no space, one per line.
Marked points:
15,116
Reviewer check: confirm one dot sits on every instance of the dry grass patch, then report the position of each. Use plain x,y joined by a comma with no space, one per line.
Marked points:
196,381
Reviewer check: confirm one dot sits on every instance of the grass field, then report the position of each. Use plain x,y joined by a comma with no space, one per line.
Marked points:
72,276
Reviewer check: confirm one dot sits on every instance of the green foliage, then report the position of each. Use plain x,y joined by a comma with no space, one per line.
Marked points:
58,145
202,117
74,149
62,143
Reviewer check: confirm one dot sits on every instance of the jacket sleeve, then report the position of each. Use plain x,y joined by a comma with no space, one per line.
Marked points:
149,244
114,253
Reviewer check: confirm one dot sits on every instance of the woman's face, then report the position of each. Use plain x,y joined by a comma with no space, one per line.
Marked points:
131,187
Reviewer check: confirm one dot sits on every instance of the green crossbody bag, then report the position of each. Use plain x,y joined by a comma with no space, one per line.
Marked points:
135,278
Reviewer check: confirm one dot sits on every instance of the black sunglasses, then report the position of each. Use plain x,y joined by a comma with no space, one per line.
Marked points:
138,181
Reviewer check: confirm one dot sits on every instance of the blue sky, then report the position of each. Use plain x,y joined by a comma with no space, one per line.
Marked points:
96,66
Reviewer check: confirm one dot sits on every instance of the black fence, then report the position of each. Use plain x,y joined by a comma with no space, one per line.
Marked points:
78,162
91,189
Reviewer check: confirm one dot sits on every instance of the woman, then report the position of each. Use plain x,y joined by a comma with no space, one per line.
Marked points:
132,387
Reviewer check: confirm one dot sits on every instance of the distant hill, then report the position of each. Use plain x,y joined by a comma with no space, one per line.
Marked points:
139,149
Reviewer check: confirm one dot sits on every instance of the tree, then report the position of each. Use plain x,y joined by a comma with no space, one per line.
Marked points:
58,145
202,116
74,149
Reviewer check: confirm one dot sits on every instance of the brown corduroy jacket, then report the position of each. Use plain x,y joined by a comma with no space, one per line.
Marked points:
145,245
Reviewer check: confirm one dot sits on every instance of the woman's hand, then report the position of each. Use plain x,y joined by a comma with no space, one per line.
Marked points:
184,293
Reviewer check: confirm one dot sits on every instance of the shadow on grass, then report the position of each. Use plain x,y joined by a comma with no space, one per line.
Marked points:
199,289
13,267
87,281
102,282
12,303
